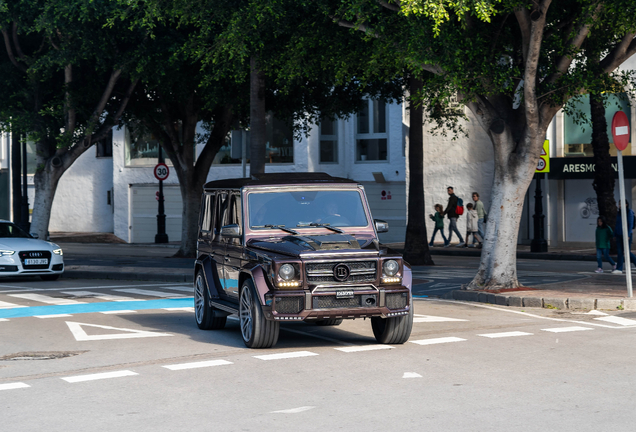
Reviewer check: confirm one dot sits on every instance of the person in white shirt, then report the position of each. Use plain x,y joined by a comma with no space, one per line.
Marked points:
471,226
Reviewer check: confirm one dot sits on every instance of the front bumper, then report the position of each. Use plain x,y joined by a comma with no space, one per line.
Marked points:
366,302
12,266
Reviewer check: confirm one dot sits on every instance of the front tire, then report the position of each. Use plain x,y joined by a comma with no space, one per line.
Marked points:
257,332
207,317
394,330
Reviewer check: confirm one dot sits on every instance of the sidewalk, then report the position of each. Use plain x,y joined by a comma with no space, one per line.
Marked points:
153,262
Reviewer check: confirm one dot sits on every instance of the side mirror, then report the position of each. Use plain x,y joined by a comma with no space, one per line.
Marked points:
34,235
381,226
232,230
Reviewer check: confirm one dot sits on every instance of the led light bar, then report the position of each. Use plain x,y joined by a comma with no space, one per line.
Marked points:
287,318
391,279
289,284
396,313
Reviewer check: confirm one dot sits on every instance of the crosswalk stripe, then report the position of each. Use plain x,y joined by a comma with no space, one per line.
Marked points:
96,295
430,318
437,340
11,386
196,365
52,316
617,320
148,292
566,329
45,299
505,334
188,289
117,312
6,305
280,356
105,375
363,348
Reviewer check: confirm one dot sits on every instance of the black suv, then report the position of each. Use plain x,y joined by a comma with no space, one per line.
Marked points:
296,247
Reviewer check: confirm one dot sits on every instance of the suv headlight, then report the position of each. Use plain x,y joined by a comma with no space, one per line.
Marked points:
6,252
288,276
287,272
390,267
58,252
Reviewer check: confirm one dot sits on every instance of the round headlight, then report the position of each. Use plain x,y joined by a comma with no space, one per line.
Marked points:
287,272
391,267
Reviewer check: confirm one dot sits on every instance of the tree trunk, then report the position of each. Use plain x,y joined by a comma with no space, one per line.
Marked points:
514,169
45,181
258,136
191,186
416,249
604,173
16,170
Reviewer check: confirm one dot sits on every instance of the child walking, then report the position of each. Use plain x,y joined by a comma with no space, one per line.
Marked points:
439,224
472,226
603,235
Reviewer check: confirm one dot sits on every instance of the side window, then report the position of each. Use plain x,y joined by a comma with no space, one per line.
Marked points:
207,211
220,210
235,210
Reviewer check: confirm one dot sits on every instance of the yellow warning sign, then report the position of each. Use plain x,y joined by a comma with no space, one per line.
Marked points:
544,162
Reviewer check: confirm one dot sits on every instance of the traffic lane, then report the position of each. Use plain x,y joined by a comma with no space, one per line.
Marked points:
557,266
519,383
30,283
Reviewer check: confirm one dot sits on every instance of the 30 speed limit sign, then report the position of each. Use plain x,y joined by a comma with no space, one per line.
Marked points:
161,171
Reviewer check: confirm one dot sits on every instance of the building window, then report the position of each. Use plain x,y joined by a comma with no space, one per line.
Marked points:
279,147
328,141
578,134
105,146
142,149
371,135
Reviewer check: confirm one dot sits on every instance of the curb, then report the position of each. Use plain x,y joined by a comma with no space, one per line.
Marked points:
521,255
88,274
574,303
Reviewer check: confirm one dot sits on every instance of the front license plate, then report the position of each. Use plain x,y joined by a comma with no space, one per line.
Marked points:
36,261
344,294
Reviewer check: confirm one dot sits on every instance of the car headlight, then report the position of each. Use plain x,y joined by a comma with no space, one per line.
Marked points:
58,252
391,267
286,272
6,252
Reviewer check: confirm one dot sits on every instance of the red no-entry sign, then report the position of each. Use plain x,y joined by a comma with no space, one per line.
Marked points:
620,130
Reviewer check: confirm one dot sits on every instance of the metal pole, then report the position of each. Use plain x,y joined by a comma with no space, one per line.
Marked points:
626,251
538,242
25,197
161,236
244,152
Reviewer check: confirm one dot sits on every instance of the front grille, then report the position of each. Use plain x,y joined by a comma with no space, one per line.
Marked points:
396,300
289,305
360,271
35,254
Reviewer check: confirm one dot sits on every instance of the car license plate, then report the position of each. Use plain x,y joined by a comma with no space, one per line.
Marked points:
344,294
36,261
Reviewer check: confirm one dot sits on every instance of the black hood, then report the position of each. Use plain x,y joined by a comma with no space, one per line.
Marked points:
295,245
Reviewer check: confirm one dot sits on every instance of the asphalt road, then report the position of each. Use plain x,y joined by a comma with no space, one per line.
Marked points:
78,356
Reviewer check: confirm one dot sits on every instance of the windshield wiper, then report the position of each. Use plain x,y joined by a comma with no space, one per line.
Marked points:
329,227
280,227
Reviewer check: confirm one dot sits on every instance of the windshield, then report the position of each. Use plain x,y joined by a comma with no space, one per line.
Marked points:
298,209
9,230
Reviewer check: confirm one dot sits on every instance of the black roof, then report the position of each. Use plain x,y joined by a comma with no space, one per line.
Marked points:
267,179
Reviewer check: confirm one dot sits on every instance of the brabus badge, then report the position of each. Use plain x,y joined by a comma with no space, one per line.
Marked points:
341,272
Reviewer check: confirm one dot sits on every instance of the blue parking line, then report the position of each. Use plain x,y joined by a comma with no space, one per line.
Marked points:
96,307
420,296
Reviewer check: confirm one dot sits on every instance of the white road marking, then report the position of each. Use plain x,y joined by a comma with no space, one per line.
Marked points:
104,375
80,334
437,340
566,329
505,334
45,299
429,319
411,375
188,289
3,319
52,316
177,309
28,288
595,312
99,296
294,410
12,386
196,365
617,320
364,348
6,305
280,356
148,292
117,312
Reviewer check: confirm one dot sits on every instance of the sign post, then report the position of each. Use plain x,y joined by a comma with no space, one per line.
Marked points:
539,243
620,133
161,173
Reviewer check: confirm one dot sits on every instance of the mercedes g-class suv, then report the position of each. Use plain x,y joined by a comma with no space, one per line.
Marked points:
296,247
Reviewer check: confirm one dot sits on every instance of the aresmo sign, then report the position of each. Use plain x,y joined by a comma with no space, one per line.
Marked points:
584,167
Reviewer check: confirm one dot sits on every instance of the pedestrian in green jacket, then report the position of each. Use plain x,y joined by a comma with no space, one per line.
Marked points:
438,218
603,235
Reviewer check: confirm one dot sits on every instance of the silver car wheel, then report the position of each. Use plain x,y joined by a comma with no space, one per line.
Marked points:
199,298
247,326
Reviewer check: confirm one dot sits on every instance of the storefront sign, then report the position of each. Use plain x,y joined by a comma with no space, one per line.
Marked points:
584,167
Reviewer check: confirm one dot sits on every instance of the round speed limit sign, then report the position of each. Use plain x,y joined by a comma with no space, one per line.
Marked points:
541,165
161,171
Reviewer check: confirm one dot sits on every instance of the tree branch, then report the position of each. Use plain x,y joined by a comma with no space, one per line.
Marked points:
621,52
70,111
114,76
16,42
523,18
7,44
394,7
